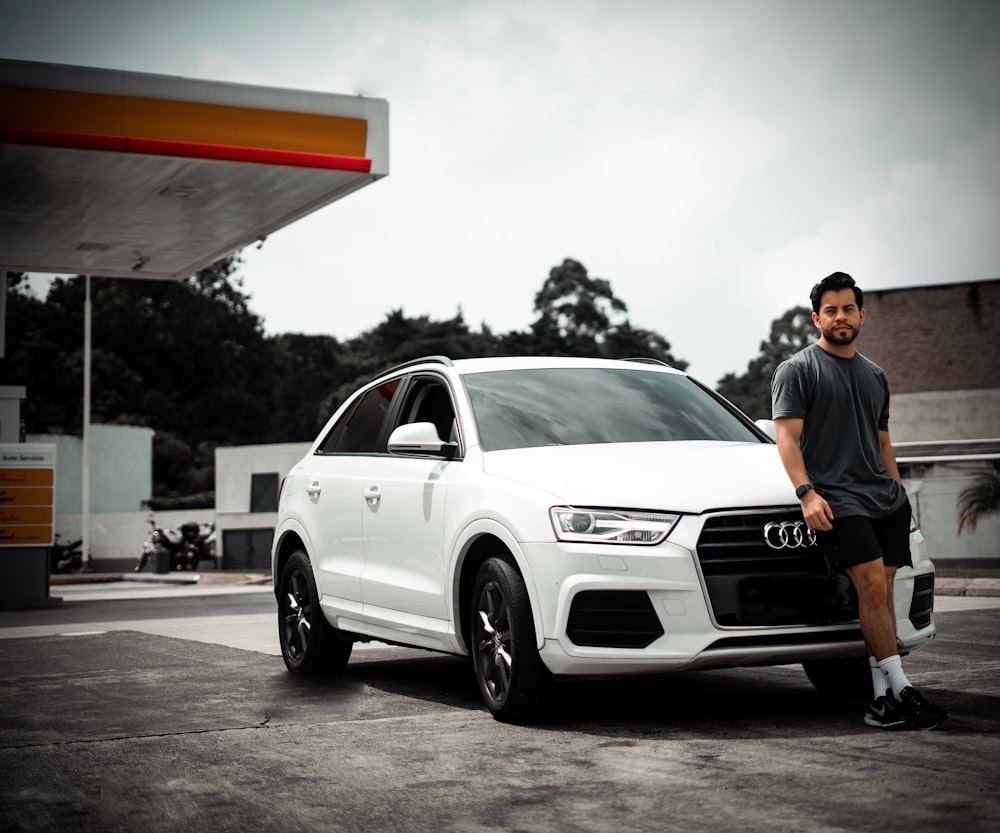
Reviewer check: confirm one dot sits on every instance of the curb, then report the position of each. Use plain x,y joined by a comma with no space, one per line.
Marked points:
160,578
967,587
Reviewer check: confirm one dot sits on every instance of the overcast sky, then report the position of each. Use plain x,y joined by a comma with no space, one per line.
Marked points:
711,159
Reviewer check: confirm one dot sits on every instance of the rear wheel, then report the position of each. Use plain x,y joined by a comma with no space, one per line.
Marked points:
512,678
844,677
309,644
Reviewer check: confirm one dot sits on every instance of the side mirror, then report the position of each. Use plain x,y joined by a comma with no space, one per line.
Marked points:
767,426
420,438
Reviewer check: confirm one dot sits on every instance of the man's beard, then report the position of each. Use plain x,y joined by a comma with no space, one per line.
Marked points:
841,338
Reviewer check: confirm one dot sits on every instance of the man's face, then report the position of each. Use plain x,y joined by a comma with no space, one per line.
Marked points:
839,319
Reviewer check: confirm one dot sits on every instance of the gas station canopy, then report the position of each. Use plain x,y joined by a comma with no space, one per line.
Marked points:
123,174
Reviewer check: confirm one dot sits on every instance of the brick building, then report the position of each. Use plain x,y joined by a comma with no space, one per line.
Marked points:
940,347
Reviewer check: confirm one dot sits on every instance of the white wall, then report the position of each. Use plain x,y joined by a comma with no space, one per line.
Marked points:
10,401
118,535
934,491
121,469
234,468
945,415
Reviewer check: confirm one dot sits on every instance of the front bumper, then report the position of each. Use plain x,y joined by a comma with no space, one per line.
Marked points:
617,610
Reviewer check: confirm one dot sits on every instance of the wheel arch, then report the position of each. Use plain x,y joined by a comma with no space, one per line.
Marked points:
288,542
487,541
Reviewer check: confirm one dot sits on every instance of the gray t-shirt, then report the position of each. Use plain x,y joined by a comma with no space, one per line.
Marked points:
844,404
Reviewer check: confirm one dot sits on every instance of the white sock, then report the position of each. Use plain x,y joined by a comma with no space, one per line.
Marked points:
879,685
894,677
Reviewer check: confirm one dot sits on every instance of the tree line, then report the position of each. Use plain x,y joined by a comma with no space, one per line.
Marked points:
191,360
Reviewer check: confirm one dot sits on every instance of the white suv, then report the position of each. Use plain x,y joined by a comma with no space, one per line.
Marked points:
554,517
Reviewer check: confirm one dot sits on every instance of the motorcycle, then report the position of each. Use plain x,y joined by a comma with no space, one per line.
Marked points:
199,543
181,548
65,558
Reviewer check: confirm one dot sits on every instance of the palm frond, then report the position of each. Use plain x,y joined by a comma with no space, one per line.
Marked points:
979,499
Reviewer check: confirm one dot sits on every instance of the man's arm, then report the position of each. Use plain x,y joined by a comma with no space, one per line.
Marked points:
888,455
815,509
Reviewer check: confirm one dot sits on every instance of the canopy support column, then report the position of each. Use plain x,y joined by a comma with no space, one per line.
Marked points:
85,510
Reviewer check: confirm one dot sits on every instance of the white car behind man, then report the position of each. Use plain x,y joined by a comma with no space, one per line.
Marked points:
556,517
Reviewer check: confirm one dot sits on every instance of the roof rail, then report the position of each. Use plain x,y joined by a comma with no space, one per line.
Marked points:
646,360
423,360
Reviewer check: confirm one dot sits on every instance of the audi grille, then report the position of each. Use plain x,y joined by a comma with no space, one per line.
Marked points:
764,568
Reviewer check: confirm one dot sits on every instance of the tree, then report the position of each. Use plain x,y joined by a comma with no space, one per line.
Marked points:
627,342
188,359
581,316
979,499
44,353
307,368
575,310
751,391
398,339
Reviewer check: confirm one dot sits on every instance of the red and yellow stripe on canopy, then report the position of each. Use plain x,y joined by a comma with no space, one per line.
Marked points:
159,127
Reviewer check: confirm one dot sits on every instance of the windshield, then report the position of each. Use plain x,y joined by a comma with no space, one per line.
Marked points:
576,406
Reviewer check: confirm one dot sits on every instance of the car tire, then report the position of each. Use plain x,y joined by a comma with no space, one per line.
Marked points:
843,678
309,644
513,680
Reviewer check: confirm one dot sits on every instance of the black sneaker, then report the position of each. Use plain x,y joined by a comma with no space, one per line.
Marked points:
886,713
924,714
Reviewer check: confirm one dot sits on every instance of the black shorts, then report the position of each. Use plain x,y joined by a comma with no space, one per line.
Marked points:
856,540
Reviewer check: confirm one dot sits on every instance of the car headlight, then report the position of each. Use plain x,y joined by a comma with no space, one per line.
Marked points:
611,526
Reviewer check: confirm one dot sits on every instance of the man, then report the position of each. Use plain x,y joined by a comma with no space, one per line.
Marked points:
831,414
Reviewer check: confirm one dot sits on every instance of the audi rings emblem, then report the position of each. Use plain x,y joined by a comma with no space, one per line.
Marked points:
788,535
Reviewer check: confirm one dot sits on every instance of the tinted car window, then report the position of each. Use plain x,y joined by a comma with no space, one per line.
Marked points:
529,408
428,401
357,431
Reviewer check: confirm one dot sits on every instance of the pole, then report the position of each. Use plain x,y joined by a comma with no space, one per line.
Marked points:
86,427
3,311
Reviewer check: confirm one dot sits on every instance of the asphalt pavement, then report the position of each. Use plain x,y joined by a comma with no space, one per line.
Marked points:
165,706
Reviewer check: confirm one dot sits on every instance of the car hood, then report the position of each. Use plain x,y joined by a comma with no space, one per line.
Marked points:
676,476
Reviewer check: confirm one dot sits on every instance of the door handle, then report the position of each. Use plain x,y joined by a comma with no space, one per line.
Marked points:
372,495
313,489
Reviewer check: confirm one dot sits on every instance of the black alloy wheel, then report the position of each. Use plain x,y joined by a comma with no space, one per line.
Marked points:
309,644
512,678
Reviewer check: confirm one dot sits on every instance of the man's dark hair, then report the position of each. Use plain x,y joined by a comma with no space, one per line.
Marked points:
834,283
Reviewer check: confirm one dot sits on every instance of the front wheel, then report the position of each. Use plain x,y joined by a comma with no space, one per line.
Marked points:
512,678
843,677
309,644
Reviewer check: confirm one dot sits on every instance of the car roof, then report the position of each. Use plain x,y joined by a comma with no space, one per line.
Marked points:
533,362
495,363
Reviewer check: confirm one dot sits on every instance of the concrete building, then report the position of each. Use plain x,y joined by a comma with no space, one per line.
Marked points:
121,483
940,346
247,479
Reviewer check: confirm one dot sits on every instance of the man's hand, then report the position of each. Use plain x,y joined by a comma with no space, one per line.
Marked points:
816,511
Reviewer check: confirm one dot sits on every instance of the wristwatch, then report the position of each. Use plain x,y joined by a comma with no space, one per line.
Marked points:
801,490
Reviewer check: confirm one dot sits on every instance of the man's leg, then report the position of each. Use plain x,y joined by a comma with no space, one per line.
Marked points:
878,625
874,585
890,602
871,583
876,611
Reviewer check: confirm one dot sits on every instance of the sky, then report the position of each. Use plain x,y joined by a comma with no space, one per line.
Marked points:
711,159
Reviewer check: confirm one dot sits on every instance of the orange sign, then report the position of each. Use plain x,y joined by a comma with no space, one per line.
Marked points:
28,515
26,477
25,536
27,494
